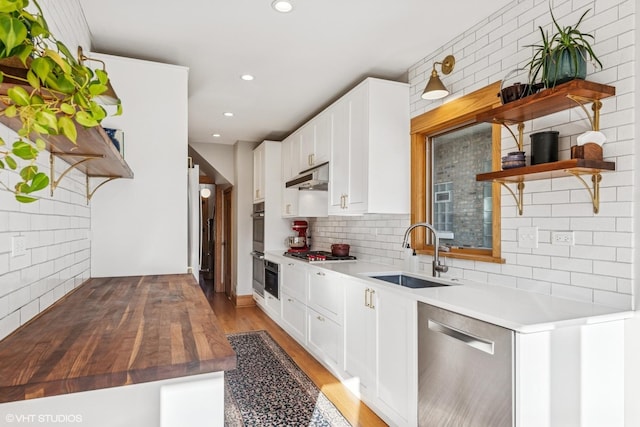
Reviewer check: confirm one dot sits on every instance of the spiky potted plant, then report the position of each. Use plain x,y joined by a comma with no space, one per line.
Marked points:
563,55
46,88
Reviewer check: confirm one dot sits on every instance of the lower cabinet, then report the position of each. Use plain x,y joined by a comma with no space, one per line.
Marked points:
380,350
324,339
273,305
294,317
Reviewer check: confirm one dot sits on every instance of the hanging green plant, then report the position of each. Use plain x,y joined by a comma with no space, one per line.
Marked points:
46,88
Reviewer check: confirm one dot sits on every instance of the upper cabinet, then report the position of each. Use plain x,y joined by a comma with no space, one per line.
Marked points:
315,141
258,173
370,150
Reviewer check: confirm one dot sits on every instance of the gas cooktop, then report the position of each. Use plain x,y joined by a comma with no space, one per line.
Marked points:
319,256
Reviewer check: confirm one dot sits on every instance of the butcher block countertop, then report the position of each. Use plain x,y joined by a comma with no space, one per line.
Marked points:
112,332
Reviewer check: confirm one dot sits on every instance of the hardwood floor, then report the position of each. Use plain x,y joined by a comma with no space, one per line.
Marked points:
253,319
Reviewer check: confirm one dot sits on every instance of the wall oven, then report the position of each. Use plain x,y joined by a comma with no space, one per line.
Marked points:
258,272
271,278
258,227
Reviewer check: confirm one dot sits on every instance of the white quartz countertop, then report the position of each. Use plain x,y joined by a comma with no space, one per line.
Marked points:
521,311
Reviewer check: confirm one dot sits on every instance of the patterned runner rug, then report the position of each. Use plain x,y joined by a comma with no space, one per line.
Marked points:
268,389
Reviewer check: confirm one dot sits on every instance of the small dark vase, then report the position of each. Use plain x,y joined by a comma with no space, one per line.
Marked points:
562,67
544,147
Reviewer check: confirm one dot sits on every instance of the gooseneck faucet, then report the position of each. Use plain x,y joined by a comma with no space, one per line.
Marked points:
437,268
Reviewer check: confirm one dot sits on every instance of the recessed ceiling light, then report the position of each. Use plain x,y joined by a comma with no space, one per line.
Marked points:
227,114
283,6
247,77
216,135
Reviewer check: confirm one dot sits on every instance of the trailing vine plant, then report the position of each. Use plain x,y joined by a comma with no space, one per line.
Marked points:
49,92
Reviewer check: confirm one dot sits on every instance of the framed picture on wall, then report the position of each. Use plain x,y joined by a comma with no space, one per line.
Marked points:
117,138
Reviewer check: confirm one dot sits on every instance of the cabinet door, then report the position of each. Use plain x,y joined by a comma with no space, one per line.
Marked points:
294,317
258,173
273,306
324,135
356,200
294,279
307,145
290,205
397,356
360,335
339,164
324,338
326,294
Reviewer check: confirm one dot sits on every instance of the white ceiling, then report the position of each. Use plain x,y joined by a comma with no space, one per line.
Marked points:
301,61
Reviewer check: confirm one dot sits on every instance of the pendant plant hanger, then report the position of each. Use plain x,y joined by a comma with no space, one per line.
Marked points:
43,86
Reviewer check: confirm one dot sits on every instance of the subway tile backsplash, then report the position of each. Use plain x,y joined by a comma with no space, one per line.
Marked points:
56,229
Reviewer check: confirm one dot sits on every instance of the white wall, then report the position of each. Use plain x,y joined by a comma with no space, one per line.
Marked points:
139,226
219,156
56,228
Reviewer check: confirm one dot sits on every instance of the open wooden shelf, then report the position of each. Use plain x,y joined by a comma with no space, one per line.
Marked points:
547,101
94,154
548,170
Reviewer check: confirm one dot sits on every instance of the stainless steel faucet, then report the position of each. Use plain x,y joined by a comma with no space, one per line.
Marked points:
437,268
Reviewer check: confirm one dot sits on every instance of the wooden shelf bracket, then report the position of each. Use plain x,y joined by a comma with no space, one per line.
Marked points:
517,197
594,192
90,193
84,158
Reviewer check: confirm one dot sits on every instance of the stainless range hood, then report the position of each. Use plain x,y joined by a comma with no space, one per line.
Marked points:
315,178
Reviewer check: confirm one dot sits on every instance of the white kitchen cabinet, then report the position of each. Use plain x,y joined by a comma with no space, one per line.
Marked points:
315,141
370,151
360,336
258,173
294,279
294,317
291,156
324,339
326,294
273,305
380,350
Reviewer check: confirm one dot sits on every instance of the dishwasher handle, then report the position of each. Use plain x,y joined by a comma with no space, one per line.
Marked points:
472,341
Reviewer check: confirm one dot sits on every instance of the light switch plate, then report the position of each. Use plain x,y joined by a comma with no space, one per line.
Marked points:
528,237
18,246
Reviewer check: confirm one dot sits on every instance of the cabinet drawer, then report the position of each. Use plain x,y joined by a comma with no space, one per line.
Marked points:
324,338
326,295
294,280
294,317
273,305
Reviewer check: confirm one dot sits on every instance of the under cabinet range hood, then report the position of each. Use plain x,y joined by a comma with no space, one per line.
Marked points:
315,178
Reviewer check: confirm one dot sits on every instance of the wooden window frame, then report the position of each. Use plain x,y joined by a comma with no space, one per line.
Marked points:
458,113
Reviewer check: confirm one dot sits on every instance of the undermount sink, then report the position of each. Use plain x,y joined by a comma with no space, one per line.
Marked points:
408,281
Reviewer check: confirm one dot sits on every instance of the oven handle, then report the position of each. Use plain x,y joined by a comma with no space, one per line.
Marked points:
257,215
257,255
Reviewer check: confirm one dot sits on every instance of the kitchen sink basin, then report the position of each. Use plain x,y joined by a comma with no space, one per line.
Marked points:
408,281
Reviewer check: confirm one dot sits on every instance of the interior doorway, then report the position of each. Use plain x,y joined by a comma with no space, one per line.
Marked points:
227,240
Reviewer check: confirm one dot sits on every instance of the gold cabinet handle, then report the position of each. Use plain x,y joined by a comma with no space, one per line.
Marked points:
320,318
289,299
320,273
371,294
366,297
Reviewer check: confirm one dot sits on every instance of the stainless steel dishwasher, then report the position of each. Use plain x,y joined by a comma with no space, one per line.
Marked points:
465,371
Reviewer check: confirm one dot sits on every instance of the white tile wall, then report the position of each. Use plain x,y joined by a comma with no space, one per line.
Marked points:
56,228
599,267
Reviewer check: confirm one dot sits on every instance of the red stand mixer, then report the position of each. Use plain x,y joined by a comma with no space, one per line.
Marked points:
299,243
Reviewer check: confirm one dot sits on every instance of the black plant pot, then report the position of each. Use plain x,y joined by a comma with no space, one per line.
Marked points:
544,147
562,67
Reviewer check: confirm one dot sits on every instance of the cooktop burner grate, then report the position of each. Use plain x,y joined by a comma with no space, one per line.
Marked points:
318,256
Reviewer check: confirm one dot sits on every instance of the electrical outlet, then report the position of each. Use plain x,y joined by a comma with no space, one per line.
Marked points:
528,237
565,238
18,246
